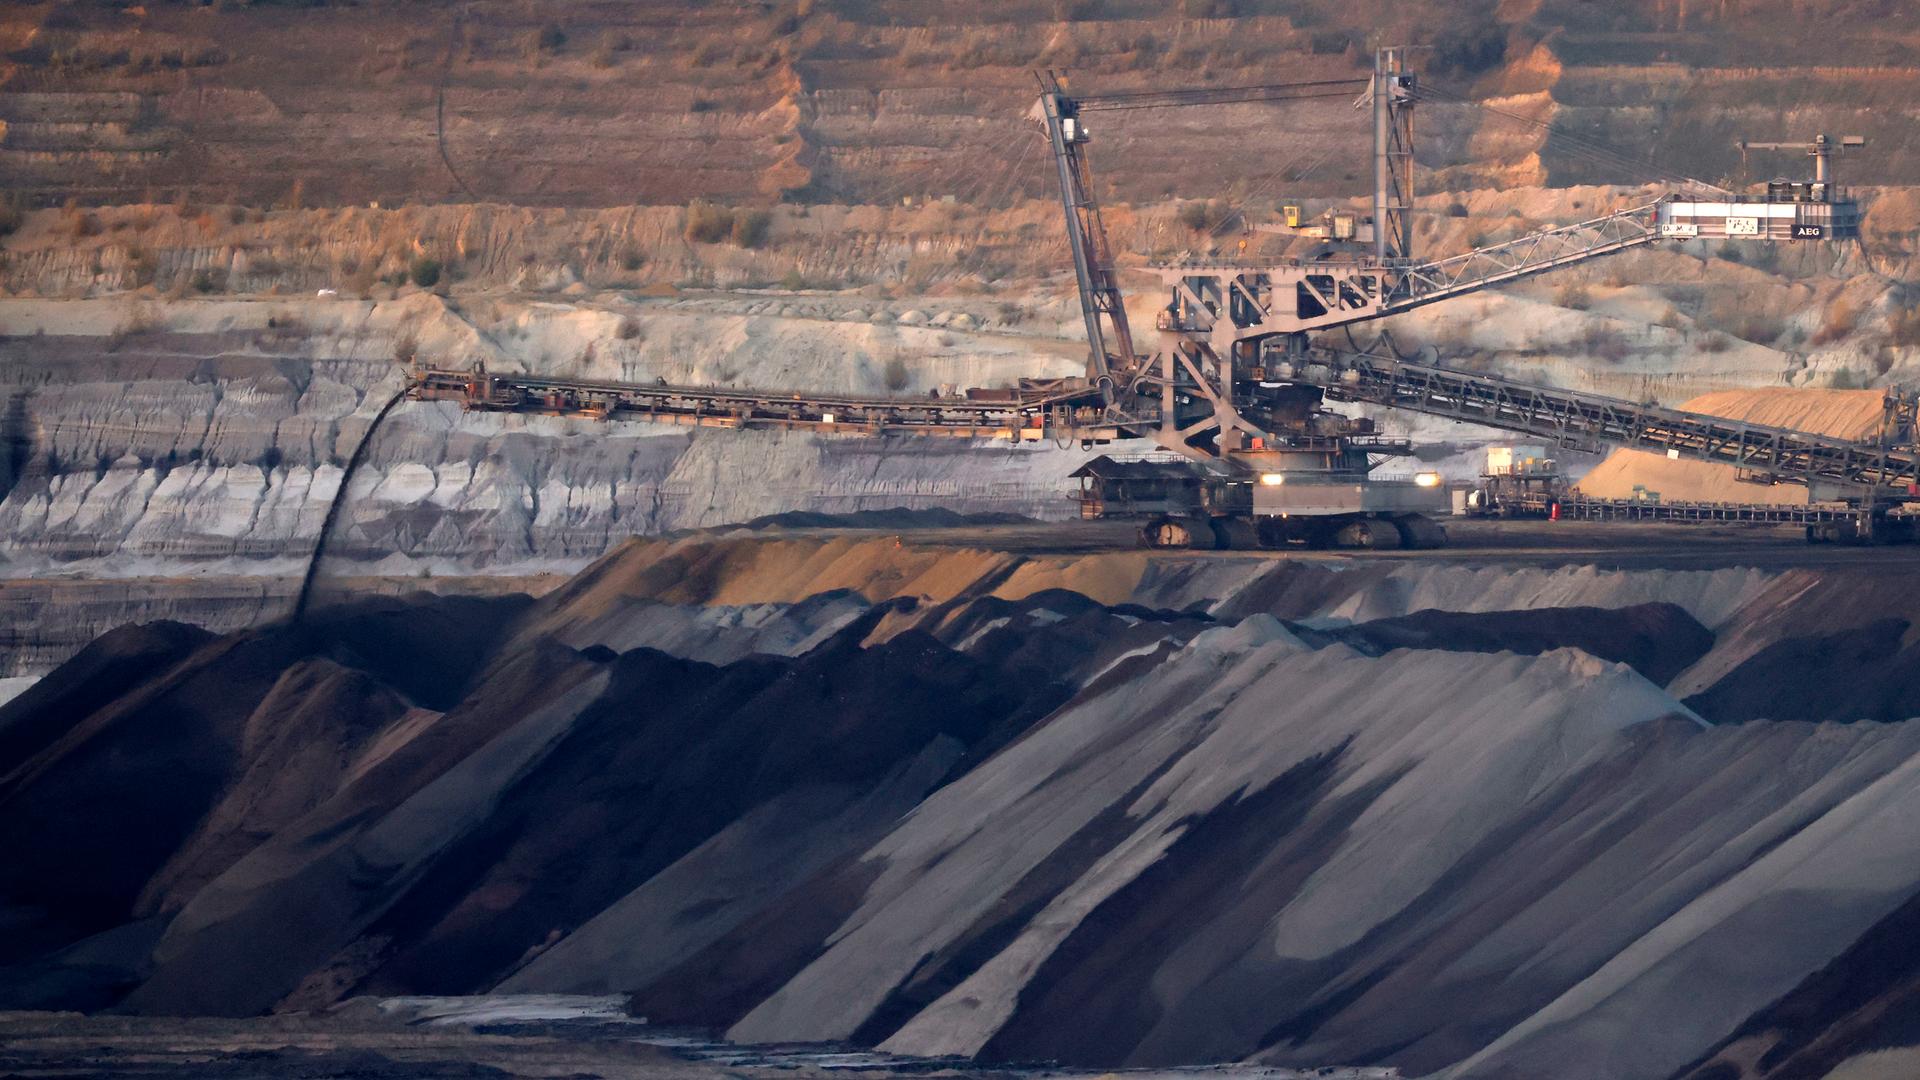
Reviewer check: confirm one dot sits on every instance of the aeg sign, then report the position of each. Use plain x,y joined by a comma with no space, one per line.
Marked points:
1803,231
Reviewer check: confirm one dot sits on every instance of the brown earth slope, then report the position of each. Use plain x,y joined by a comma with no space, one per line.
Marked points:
597,103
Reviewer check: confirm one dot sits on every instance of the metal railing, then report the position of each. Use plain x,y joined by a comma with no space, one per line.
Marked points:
1574,506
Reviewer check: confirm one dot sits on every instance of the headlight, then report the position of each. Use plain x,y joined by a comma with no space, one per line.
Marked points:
1272,479
1427,479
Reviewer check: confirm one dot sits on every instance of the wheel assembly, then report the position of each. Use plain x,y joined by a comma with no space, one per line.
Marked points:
1419,531
1235,534
1367,534
1178,532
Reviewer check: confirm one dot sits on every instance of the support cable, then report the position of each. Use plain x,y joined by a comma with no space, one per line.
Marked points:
1222,95
1273,97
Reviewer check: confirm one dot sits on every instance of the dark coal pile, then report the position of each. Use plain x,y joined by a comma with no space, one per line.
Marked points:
104,670
1864,673
242,754
927,812
1657,640
119,761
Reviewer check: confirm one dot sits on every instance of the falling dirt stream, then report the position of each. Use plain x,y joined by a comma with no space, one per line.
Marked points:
339,500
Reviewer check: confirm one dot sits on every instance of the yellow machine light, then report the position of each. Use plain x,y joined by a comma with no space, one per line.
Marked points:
1273,479
1427,479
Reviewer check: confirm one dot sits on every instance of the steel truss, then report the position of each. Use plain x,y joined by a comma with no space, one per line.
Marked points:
1577,507
1244,300
1531,254
1018,418
1591,421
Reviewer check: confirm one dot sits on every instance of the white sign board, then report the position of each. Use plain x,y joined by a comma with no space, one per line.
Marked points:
1680,228
1743,226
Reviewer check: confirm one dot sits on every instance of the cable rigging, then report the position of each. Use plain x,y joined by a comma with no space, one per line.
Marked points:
1222,95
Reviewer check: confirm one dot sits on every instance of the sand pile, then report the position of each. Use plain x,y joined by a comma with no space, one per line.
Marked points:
1846,414
741,570
751,570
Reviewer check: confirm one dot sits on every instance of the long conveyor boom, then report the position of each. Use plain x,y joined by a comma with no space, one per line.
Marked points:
995,415
1573,418
1567,417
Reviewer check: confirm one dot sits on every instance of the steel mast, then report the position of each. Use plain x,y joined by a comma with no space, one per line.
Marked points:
1392,93
1101,306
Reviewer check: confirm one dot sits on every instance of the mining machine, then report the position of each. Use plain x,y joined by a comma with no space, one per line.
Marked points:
1235,380
1235,374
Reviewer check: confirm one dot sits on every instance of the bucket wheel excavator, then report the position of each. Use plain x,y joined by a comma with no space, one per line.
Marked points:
1235,382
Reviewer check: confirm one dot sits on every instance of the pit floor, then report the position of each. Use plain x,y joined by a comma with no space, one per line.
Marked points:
354,1041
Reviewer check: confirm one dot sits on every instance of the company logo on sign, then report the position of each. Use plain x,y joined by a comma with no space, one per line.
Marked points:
1743,226
1808,232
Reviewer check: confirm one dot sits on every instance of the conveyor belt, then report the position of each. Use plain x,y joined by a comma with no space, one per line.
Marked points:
1593,421
1004,415
1577,507
1566,417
